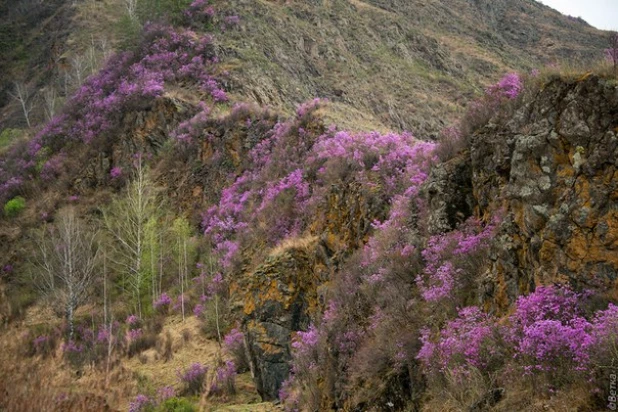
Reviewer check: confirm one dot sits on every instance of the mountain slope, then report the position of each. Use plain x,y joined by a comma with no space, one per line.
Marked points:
404,64
408,65
342,265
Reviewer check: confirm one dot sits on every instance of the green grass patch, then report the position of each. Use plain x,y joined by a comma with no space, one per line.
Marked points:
14,206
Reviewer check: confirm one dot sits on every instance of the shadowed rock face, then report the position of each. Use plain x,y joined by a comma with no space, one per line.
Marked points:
278,299
550,172
284,294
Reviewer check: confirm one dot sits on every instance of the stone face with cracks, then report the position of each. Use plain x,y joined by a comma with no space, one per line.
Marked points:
284,293
551,170
278,299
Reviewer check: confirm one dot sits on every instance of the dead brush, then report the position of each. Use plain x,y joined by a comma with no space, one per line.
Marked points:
164,347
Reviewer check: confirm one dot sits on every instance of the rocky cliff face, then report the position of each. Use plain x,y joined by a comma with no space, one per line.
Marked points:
544,168
549,171
280,297
288,292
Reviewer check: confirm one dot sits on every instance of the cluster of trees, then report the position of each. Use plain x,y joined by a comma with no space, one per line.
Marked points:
127,250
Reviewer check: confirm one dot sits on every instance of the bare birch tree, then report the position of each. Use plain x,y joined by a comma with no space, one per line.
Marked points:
22,95
50,98
65,263
127,219
182,230
80,69
131,6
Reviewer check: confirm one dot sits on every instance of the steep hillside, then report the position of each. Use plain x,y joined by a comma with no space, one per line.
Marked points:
407,65
193,230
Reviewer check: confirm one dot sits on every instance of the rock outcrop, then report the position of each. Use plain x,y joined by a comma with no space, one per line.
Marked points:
285,293
279,298
550,172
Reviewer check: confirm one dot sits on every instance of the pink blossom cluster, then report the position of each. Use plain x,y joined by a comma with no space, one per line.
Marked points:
224,380
163,302
193,377
547,333
234,341
510,86
442,255
141,403
199,11
470,340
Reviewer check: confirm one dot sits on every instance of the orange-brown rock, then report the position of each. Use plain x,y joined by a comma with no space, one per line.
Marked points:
550,172
279,298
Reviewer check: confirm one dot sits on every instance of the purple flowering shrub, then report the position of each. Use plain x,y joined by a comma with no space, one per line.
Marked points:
498,99
115,172
199,12
42,340
509,87
141,403
302,388
223,381
88,345
290,171
605,331
162,303
547,336
270,198
193,378
234,346
472,340
17,168
451,259
130,81
163,399
164,393
139,335
133,322
450,142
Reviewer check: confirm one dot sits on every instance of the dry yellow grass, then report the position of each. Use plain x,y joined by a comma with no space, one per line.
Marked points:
37,382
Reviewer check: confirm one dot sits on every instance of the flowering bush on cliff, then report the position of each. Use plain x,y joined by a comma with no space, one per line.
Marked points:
510,86
234,345
498,99
472,340
163,303
450,259
549,333
302,388
129,81
224,380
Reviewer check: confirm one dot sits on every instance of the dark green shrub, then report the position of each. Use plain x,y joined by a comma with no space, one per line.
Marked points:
14,206
176,405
